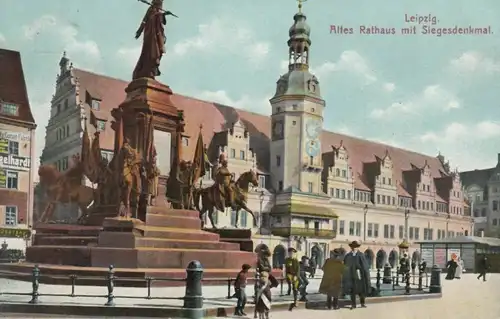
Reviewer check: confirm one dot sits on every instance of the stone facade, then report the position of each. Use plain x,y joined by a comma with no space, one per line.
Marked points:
482,188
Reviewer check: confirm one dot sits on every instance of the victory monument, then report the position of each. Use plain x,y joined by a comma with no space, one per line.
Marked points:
130,225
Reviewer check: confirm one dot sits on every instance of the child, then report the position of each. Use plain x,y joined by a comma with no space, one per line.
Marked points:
331,283
263,298
239,290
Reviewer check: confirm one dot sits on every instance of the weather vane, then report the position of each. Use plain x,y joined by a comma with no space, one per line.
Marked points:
300,4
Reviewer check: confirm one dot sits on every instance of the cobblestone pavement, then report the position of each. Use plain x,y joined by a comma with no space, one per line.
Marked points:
467,298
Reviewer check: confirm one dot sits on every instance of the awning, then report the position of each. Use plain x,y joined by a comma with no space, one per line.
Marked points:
304,210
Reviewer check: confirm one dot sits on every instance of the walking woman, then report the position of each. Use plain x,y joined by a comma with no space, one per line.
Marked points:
452,268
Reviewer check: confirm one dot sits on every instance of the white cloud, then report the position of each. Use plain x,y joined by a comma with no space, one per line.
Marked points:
129,56
258,105
224,36
432,97
349,61
473,61
389,87
457,133
64,32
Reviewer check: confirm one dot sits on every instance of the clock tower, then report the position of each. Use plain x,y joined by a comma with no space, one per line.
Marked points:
297,118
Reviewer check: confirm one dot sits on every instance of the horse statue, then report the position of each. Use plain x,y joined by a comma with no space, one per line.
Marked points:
64,188
211,196
130,178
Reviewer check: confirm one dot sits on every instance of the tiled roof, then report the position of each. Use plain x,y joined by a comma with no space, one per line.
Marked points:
13,86
477,177
215,118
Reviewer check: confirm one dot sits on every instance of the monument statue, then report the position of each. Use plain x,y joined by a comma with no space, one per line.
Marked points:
226,192
152,176
64,188
184,177
131,186
153,44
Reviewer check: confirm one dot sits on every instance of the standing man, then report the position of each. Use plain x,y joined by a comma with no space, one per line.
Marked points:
482,267
357,277
303,281
292,269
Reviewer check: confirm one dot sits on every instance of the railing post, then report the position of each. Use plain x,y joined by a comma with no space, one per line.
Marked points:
420,279
229,295
397,276
35,280
193,298
387,274
435,286
407,288
111,286
378,280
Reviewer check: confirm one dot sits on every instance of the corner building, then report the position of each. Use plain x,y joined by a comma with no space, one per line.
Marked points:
318,190
17,141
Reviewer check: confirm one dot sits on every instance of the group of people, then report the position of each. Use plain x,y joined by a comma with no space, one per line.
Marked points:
342,275
455,267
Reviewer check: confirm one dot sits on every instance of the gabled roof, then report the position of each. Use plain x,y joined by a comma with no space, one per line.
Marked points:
477,177
13,86
214,117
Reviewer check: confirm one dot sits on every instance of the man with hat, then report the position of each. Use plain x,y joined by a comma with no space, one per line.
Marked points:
223,180
303,281
357,276
292,270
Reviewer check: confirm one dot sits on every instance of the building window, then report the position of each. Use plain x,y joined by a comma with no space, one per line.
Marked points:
337,172
12,180
242,155
344,173
383,180
401,232
417,233
278,160
386,231
278,109
358,228
96,105
494,221
337,193
233,218
101,126
391,231
495,205
262,181
351,228
185,141
66,104
11,215
65,163
411,232
349,194
378,199
58,109
332,191
342,194
375,230
14,148
243,219
294,122
310,187
10,109
369,231
280,185
341,227
389,181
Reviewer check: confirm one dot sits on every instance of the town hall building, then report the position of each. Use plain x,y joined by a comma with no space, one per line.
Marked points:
318,190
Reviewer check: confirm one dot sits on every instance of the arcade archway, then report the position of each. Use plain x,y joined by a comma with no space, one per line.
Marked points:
260,247
393,258
317,255
279,255
369,256
381,258
416,257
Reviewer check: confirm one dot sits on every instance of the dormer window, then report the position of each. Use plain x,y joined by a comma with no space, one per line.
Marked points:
101,125
96,105
9,109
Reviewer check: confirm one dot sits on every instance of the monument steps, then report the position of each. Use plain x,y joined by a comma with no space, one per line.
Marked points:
51,240
152,242
160,220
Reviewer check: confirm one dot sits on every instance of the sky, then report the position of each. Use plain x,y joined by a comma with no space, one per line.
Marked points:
424,93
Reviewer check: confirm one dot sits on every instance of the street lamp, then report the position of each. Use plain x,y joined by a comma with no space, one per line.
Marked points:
365,211
407,216
261,199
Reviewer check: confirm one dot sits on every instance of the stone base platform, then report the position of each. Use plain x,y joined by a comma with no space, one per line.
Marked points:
160,246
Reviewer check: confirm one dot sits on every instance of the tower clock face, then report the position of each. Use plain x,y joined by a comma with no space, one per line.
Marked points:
313,128
313,147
